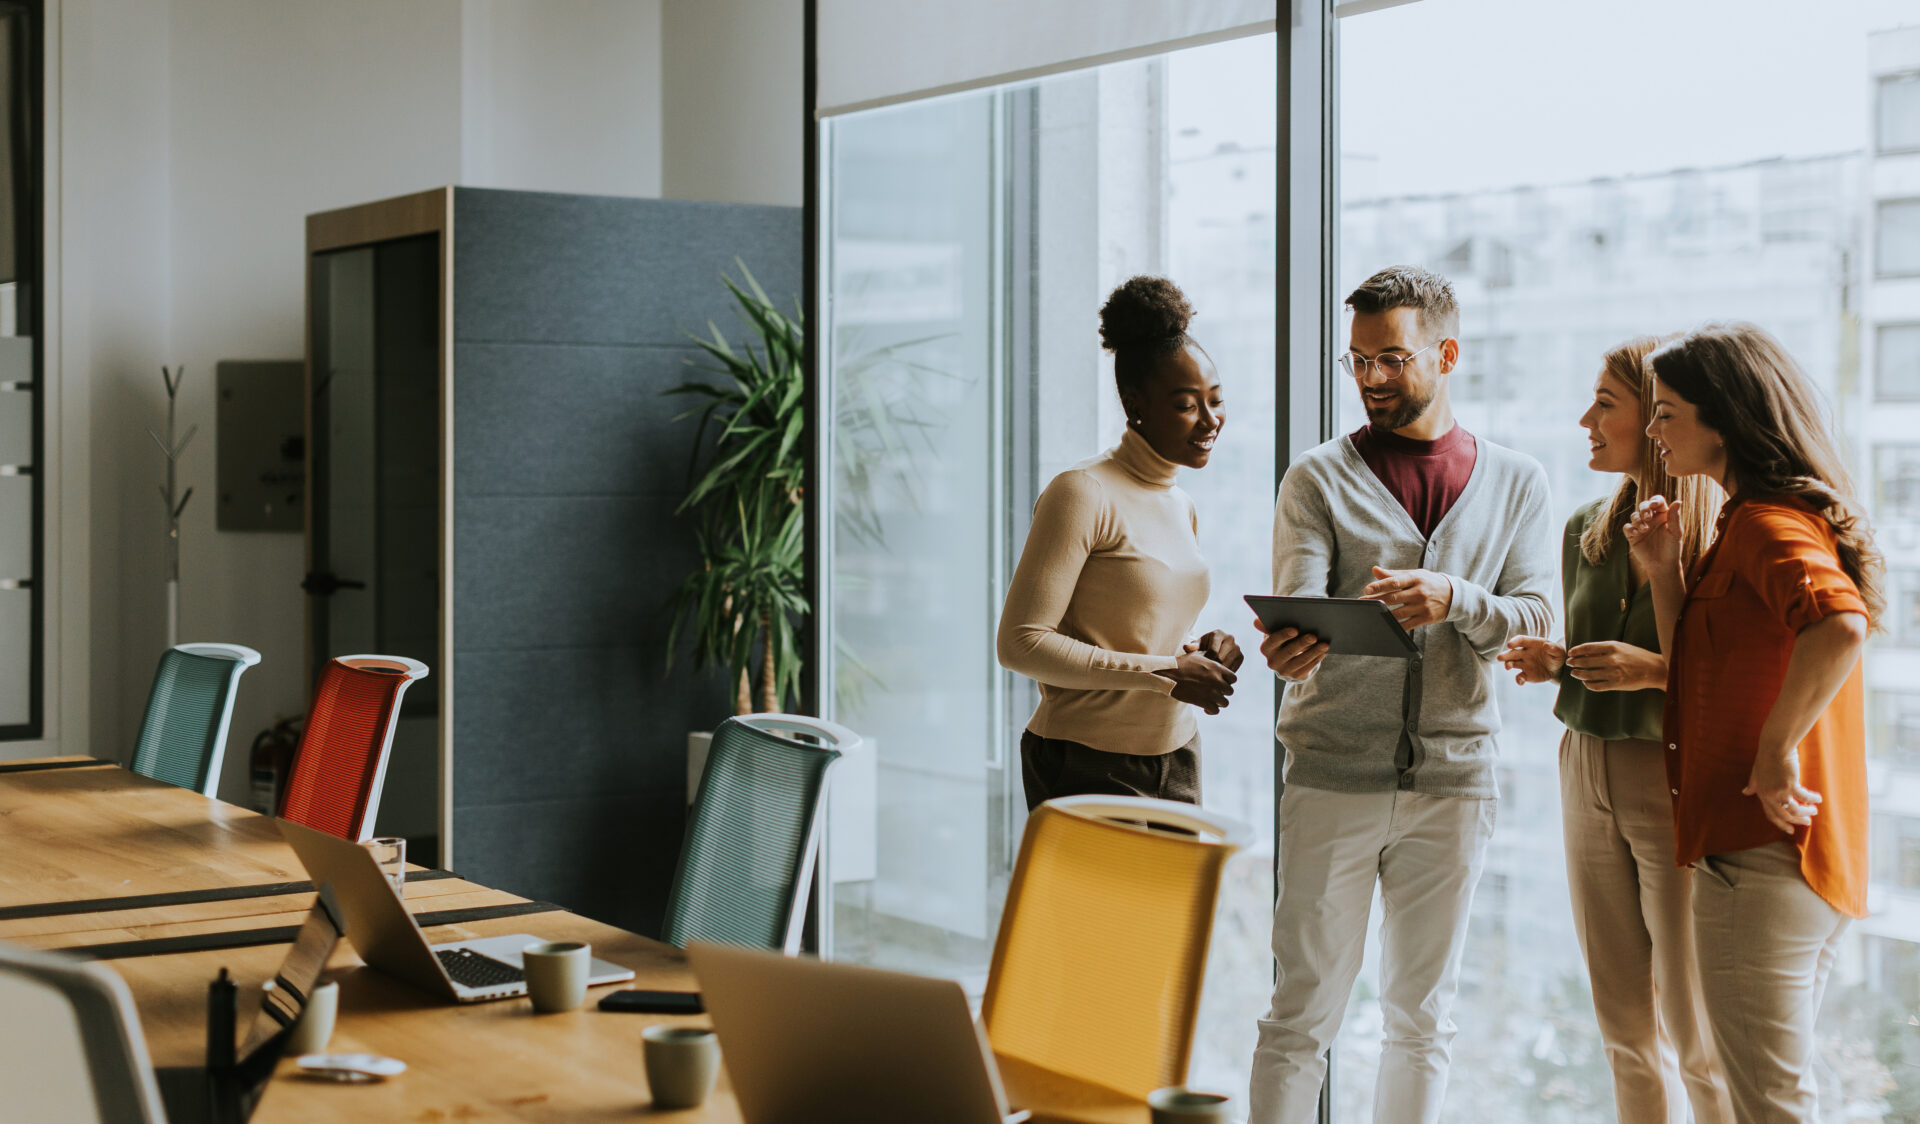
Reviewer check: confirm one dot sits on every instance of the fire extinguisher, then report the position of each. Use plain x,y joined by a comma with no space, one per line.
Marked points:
271,761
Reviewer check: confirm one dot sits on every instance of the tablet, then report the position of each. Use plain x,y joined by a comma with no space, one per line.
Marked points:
1353,627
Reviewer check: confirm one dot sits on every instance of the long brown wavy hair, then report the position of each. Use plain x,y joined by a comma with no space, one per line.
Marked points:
1700,498
1749,390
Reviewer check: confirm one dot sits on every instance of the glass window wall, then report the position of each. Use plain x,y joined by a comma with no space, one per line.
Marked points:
1583,213
967,245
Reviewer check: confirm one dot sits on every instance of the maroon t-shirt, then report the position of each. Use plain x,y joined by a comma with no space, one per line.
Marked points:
1425,476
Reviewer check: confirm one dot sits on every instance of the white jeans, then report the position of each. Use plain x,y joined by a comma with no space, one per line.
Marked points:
1426,853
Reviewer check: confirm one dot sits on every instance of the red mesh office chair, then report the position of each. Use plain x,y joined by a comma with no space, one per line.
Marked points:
342,760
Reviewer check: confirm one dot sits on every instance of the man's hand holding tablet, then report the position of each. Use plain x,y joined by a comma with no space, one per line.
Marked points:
1301,631
1291,653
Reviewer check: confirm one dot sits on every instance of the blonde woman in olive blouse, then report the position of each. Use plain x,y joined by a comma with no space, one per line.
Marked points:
1632,907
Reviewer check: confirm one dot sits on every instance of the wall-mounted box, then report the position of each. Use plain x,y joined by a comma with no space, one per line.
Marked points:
260,431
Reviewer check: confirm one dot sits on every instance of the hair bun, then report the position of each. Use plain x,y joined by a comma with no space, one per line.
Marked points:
1144,310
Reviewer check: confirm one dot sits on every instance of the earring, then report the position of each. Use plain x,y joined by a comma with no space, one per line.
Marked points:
1133,423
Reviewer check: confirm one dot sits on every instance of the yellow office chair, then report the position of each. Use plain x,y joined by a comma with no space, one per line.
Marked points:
1097,966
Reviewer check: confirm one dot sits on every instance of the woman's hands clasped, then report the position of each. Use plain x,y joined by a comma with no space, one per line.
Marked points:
1533,659
1203,674
1609,665
1653,534
1220,646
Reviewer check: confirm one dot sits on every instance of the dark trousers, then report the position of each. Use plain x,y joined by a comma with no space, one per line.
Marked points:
1050,767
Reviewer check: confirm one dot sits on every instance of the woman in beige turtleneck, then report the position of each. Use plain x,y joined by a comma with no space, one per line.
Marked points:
1111,580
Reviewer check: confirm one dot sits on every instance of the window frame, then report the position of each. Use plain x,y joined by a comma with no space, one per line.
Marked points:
1880,391
30,248
1307,248
1879,112
1880,270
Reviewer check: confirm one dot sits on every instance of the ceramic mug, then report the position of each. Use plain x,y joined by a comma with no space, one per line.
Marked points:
682,1062
315,1025
1177,1104
556,974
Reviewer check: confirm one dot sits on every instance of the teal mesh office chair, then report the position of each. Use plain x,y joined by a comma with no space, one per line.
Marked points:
184,737
753,834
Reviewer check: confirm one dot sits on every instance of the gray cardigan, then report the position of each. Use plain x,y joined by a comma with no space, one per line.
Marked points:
1373,723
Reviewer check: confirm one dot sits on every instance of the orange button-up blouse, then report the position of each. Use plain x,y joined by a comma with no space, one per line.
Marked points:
1772,570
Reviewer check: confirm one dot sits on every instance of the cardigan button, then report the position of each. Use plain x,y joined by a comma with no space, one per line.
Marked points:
1675,791
1671,745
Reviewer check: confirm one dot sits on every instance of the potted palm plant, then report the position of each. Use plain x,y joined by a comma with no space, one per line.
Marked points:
742,605
743,495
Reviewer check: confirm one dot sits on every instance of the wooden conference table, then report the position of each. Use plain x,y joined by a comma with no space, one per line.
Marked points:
142,875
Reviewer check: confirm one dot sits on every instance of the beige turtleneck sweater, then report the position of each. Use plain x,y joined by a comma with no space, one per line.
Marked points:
1106,593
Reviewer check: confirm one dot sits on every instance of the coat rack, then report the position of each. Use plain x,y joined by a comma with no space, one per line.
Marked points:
172,379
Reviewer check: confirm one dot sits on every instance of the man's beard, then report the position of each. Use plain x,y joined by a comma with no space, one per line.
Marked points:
1408,411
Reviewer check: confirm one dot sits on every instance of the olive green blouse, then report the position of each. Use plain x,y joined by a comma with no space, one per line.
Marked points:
1601,604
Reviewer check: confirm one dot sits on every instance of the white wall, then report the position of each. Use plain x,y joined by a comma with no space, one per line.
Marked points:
108,161
278,110
732,99
561,95
189,141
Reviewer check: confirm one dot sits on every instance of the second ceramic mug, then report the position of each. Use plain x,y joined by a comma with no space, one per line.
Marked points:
681,1062
556,974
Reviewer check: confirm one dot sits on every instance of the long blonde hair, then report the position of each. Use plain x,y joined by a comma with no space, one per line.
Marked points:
1700,498
1752,392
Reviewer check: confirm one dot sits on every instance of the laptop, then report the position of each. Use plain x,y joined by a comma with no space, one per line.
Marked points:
387,938
202,1095
807,1040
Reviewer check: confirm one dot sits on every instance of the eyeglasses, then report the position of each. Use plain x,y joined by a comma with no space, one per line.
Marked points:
1389,365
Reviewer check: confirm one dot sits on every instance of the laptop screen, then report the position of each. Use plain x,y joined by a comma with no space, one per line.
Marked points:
285,996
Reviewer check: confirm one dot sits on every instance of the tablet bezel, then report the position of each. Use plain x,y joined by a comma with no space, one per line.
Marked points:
1368,627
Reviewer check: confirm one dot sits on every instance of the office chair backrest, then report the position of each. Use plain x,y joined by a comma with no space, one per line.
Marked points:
184,737
753,833
70,1042
1098,963
334,785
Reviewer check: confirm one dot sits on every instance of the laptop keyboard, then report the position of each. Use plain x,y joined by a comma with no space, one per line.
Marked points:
474,970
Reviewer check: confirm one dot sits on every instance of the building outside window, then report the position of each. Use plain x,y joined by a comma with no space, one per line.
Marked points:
1896,481
1903,607
1897,363
1897,248
1897,850
1899,113
1895,719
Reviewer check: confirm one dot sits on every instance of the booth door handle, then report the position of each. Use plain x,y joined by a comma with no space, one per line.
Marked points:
325,584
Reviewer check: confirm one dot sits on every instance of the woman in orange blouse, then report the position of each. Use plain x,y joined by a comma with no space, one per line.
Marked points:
1766,757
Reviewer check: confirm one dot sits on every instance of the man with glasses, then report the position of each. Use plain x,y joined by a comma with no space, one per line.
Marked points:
1389,768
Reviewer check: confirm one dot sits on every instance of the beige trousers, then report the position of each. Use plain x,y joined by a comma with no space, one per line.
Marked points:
1634,917
1765,943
